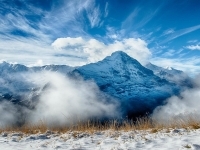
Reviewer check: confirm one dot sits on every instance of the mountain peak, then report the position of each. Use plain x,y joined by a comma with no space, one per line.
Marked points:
118,61
120,56
4,63
6,67
169,68
117,67
119,53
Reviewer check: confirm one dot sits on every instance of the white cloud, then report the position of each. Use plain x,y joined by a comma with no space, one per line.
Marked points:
67,42
95,50
113,36
185,106
70,51
193,47
9,113
39,62
112,33
22,51
62,19
63,102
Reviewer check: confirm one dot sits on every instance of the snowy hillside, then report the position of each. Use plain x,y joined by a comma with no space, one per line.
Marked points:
13,84
137,89
55,68
14,78
165,139
173,75
124,78
17,84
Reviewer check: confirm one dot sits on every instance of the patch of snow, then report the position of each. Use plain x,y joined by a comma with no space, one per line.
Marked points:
168,68
162,140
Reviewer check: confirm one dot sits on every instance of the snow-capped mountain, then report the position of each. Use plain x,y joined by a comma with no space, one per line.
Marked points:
55,68
136,87
6,68
9,81
13,83
14,79
173,75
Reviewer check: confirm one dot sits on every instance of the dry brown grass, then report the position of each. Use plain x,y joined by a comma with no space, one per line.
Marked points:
187,146
144,123
183,121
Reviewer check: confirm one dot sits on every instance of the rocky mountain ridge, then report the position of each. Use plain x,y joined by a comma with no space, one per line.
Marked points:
137,89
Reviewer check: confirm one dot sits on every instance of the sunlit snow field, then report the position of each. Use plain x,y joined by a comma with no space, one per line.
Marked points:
145,139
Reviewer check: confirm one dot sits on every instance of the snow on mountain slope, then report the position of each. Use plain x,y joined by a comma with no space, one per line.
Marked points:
124,78
55,68
135,87
6,68
15,84
12,79
11,73
173,75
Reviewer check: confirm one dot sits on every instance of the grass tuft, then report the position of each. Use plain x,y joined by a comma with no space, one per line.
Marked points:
91,126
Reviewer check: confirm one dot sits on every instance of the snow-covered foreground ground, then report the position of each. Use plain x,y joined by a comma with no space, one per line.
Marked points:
165,139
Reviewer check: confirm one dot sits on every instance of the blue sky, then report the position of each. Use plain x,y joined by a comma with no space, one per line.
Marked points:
76,32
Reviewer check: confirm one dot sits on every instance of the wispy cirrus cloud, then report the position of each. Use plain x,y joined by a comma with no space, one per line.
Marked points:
28,31
106,9
193,47
134,25
64,18
94,15
136,21
18,21
179,33
129,21
168,31
192,41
